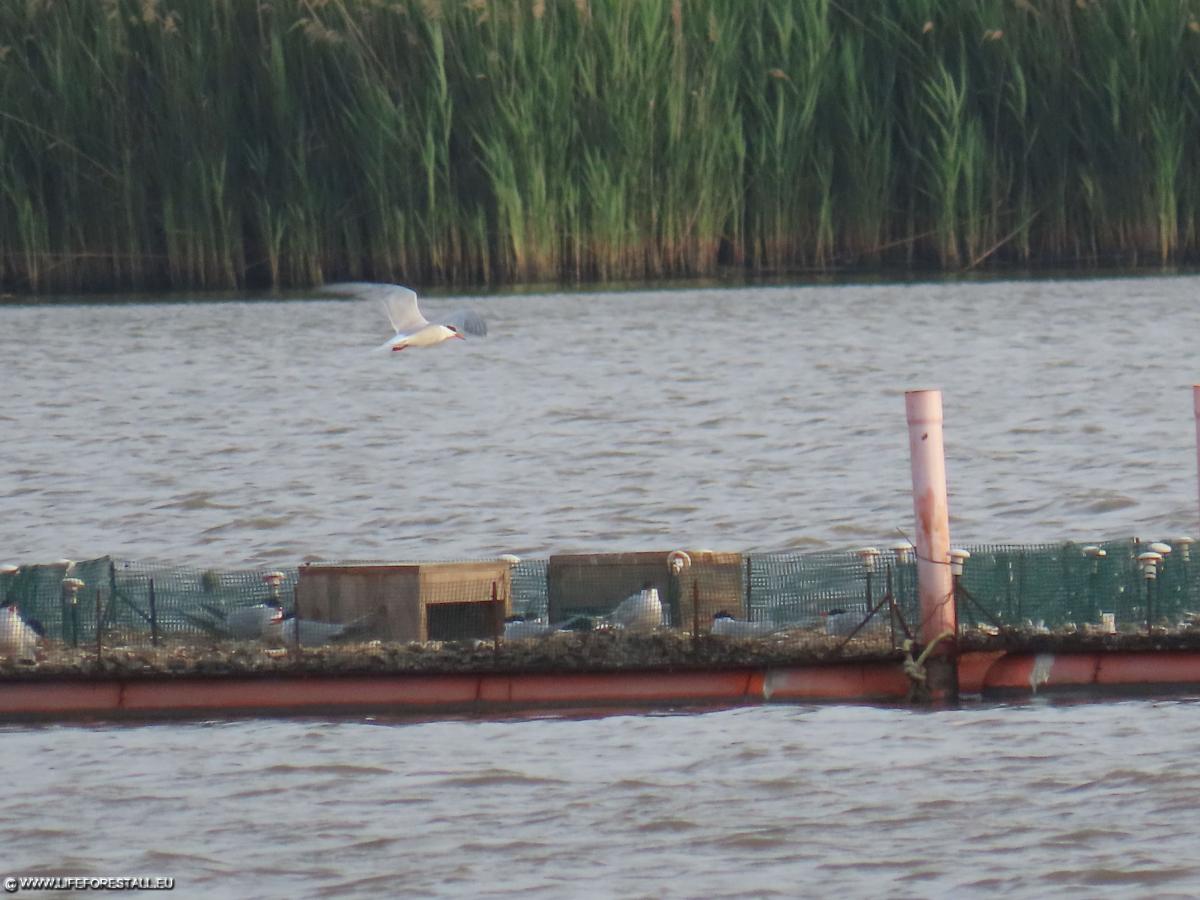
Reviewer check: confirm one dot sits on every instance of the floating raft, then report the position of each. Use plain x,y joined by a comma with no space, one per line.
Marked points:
576,673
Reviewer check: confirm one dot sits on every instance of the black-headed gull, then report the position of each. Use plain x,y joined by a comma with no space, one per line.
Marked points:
412,328
18,638
638,612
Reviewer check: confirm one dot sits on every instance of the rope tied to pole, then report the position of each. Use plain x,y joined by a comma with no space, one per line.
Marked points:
915,668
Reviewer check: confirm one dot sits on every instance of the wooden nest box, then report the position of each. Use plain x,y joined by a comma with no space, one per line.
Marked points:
593,584
409,601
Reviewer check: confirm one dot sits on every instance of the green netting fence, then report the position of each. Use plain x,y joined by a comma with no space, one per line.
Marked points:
134,601
1060,585
1040,586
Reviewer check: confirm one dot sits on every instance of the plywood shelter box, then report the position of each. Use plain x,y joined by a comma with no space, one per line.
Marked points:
409,601
593,584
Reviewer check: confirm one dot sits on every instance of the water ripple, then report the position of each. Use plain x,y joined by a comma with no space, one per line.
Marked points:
188,441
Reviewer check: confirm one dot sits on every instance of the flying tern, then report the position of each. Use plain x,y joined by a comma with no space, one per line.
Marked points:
412,328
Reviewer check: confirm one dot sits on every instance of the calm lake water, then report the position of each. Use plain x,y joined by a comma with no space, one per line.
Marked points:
246,433
1026,801
234,433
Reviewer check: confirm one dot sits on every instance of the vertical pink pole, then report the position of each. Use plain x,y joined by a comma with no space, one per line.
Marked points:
1196,410
927,452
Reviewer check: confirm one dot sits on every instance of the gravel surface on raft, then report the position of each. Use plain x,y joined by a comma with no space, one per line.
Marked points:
1159,639
564,652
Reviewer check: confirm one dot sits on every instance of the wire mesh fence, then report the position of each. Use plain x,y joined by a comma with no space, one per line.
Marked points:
119,600
865,595
1064,586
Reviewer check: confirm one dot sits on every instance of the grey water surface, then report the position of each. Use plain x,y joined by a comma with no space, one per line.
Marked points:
1034,800
252,433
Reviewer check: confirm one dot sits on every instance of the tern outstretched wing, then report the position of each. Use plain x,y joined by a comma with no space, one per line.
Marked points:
467,320
400,304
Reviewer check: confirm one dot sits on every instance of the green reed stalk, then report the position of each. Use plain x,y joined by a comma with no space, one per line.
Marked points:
213,143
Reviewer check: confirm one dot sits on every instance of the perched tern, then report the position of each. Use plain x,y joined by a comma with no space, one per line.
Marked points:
288,629
519,628
853,618
245,623
726,625
412,328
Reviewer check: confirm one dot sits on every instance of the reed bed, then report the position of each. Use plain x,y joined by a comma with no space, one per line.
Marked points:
222,143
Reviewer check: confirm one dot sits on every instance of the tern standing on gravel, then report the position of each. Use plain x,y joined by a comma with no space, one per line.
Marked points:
412,328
